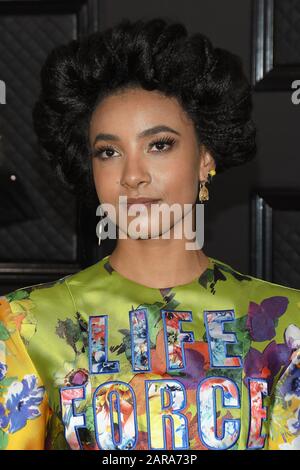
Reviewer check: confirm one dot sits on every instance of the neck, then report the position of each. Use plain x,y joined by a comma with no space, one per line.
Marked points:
159,262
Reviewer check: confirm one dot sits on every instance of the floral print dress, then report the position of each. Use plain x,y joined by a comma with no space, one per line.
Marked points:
97,361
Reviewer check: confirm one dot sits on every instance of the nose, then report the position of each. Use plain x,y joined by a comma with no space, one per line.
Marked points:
135,172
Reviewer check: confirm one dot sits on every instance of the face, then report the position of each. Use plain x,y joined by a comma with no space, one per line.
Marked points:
150,150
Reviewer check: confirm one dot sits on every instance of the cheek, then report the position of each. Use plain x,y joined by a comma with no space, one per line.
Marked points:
105,183
181,183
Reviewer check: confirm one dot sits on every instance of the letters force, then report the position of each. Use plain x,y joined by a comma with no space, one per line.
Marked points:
173,397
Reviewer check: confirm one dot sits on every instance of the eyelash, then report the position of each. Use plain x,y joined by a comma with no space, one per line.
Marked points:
164,140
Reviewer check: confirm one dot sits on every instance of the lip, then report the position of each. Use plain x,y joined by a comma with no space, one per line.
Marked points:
141,200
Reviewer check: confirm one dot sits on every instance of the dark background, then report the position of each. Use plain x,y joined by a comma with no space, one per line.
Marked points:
252,218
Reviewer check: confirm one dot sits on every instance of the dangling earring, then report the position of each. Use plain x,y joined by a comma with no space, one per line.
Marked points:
203,193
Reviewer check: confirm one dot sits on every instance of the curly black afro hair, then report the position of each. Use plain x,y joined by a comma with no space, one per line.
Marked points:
208,82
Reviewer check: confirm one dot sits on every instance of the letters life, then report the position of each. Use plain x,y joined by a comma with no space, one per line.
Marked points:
172,392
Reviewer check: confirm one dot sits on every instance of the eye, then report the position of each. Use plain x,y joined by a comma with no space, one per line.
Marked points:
160,144
163,142
99,151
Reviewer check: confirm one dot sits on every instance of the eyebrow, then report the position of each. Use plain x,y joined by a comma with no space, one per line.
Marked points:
145,133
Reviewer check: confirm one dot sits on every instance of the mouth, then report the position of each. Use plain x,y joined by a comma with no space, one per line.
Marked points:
142,202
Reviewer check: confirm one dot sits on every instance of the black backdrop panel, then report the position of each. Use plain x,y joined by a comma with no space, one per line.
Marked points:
39,230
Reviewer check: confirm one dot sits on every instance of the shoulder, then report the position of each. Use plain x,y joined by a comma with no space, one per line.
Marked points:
25,298
52,297
268,303
255,285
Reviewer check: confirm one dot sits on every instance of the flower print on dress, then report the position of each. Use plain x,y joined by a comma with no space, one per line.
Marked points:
208,427
75,333
22,401
266,364
211,276
197,363
294,445
16,308
214,321
285,417
292,337
3,370
141,351
72,422
290,388
294,423
103,400
166,397
292,343
262,318
4,420
176,338
76,377
69,331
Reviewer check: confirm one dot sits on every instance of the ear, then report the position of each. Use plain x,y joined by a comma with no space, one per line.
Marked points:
206,163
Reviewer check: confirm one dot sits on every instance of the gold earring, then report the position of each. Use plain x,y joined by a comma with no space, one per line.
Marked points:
203,193
211,173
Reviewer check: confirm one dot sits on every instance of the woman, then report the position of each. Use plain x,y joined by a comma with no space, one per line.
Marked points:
156,346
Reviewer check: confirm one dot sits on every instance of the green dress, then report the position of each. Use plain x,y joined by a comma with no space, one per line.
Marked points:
97,361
